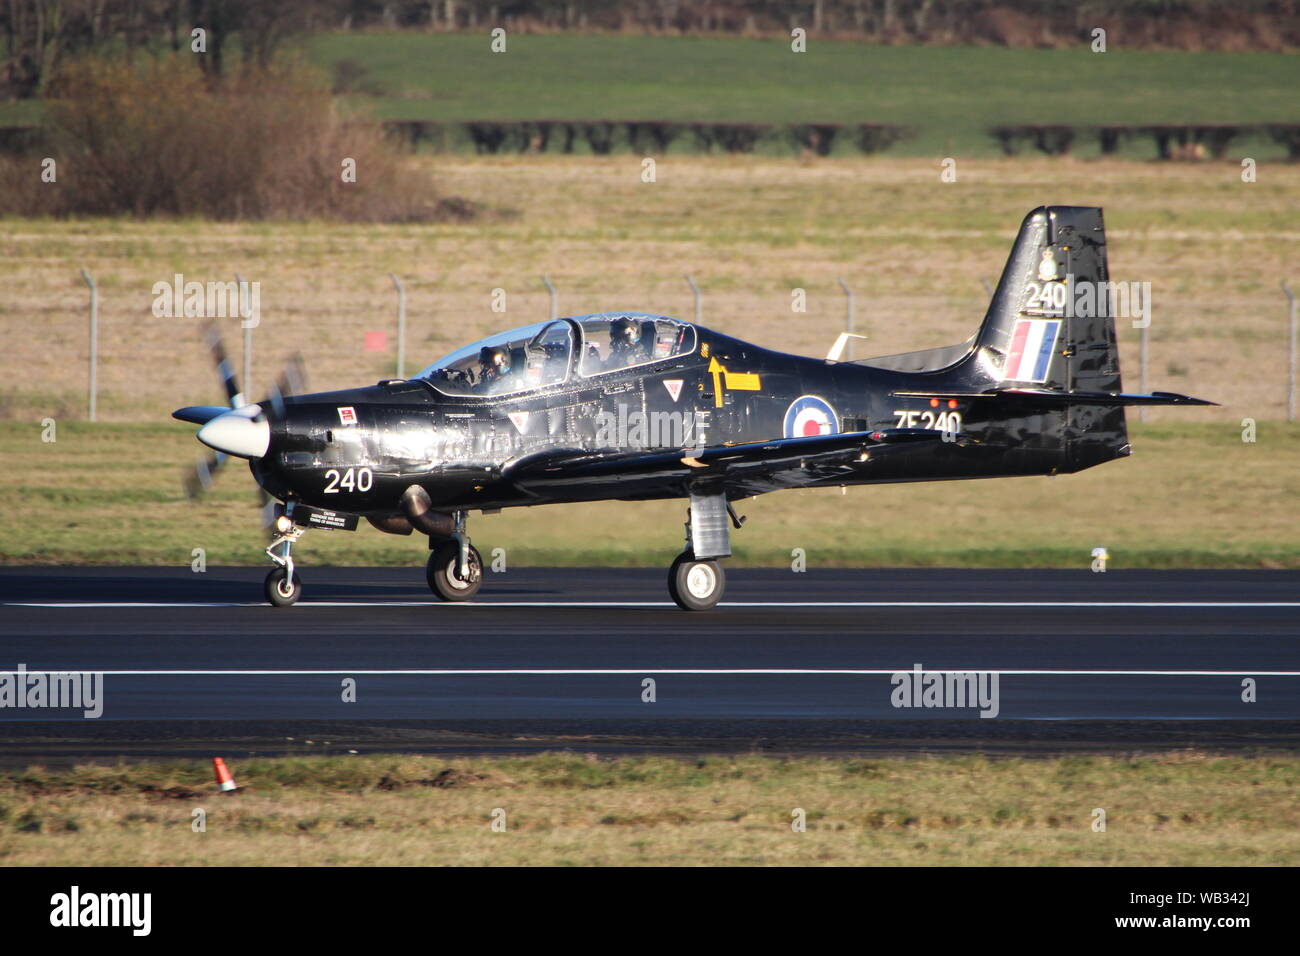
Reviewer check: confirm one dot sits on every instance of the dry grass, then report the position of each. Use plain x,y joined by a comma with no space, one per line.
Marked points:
1191,496
1175,810
750,230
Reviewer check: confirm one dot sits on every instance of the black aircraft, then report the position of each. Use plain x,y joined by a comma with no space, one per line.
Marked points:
631,406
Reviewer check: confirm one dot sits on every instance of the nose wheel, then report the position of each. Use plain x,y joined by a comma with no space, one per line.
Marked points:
455,575
281,589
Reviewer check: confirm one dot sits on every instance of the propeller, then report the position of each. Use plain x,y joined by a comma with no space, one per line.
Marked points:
197,481
238,428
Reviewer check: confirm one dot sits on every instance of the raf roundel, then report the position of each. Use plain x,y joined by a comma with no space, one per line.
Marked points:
809,415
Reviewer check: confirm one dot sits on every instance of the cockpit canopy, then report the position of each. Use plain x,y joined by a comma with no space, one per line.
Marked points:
546,353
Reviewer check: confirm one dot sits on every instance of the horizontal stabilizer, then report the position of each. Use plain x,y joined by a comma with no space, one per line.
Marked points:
1057,397
1105,398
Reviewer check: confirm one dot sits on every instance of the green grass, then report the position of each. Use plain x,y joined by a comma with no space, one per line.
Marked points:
1192,496
1186,809
953,92
456,77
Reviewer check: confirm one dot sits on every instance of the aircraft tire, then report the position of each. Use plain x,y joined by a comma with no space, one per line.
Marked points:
441,573
695,585
276,591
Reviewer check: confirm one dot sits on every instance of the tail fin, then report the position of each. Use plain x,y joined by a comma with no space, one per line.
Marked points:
1049,329
1048,343
1049,325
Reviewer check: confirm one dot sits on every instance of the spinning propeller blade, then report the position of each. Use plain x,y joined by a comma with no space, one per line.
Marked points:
292,380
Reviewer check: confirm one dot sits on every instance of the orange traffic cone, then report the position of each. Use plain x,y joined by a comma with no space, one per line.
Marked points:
224,780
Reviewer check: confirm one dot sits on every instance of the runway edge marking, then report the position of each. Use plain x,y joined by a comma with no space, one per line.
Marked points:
653,604
678,671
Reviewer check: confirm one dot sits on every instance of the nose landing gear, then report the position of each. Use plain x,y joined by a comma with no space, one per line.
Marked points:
283,586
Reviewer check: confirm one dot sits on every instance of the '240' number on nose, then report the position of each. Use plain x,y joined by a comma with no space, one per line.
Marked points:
351,479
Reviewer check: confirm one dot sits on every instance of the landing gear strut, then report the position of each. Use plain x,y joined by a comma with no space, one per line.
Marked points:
696,580
283,586
455,568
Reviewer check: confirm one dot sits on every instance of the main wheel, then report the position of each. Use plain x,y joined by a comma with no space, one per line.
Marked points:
444,580
695,585
279,590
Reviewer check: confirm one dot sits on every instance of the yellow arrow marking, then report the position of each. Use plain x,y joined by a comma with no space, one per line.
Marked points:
740,381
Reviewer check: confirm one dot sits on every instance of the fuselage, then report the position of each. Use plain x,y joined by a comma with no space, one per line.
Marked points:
358,450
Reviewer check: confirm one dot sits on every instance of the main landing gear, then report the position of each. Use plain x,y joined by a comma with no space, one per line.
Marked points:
695,585
696,580
455,568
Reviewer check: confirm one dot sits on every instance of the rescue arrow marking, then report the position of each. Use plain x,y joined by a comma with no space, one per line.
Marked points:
739,381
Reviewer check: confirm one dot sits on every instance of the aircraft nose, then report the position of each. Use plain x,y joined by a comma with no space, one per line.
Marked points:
238,433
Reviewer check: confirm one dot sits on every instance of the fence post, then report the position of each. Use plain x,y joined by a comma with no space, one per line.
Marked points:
247,384
848,317
401,325
1143,352
555,302
695,290
1291,332
92,386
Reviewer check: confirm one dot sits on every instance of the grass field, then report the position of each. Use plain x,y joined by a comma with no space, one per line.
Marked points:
1185,809
750,230
954,92
1191,496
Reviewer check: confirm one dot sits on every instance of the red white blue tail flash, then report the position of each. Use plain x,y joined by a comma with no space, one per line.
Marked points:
1031,350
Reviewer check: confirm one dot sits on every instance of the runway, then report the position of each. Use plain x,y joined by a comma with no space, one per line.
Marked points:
820,651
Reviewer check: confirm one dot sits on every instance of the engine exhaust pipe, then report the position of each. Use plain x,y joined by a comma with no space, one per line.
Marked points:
390,524
418,509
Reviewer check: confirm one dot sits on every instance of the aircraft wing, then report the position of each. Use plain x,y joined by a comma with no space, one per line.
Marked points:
555,468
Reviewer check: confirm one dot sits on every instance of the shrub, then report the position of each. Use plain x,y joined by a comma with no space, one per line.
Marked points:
158,137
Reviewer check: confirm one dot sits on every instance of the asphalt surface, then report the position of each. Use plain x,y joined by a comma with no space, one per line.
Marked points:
808,657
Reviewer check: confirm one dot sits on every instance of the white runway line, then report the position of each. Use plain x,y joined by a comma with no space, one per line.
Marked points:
674,671
647,604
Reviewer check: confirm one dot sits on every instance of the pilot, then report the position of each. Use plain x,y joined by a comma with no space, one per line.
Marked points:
493,366
624,342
